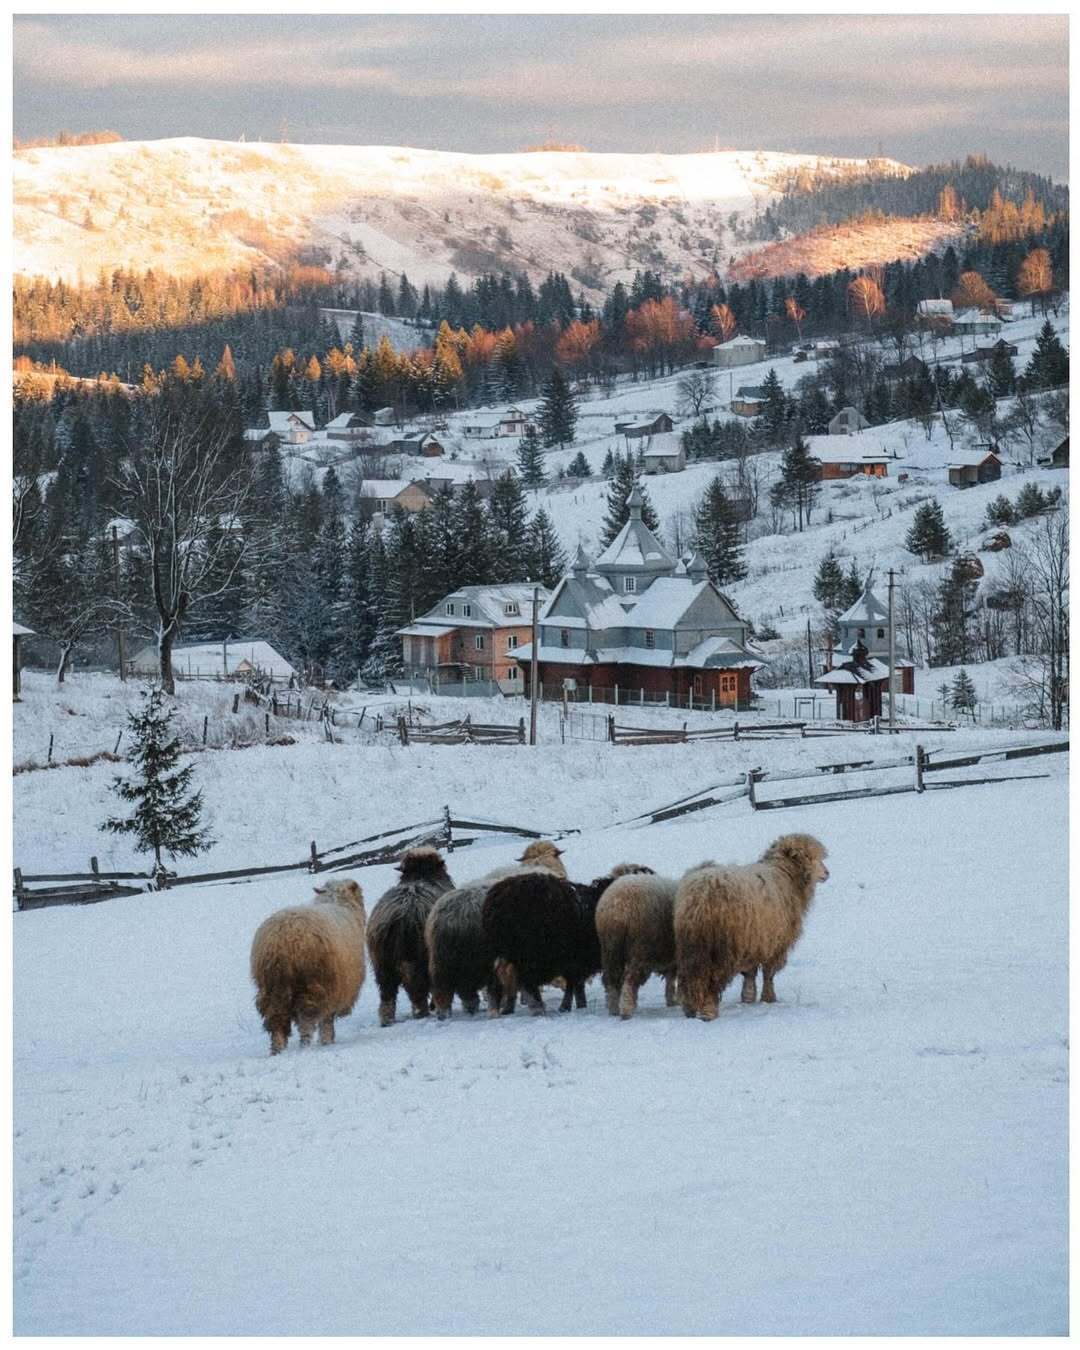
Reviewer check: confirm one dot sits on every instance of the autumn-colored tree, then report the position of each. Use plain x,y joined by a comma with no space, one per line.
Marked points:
866,299
795,313
660,331
1036,276
949,207
723,322
576,344
226,367
972,292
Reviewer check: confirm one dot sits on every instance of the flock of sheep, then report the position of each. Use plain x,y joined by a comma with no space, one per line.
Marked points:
520,927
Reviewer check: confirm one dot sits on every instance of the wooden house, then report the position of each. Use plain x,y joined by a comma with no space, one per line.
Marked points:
846,456
749,401
739,351
910,368
857,668
981,355
847,421
292,428
665,453
977,321
642,428
1059,456
474,631
638,623
967,468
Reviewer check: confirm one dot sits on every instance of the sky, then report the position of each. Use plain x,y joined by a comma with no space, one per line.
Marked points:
918,88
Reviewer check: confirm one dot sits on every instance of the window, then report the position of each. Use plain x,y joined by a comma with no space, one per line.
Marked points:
629,585
650,638
511,607
449,607
467,611
698,686
564,637
479,640
512,673
511,642
881,632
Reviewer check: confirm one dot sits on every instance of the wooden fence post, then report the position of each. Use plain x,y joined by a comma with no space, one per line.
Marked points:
94,866
521,731
205,725
268,724
20,890
236,703
736,732
751,778
116,747
448,828
920,765
314,857
611,728
49,760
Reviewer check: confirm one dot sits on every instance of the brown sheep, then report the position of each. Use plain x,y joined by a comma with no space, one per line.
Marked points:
308,964
731,920
395,931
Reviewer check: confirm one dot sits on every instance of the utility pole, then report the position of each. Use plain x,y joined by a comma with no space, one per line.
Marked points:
121,654
534,663
892,654
809,655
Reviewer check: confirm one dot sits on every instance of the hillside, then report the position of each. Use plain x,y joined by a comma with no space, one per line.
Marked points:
187,205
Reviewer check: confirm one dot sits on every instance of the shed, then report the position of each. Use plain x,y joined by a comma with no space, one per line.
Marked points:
749,400
847,421
665,454
739,351
18,632
1059,457
642,427
967,468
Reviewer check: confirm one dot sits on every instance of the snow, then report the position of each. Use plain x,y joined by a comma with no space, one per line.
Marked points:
881,1152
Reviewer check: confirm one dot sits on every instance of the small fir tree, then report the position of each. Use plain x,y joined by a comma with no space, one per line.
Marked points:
716,535
623,482
962,695
558,411
167,819
928,537
799,480
530,459
579,466
546,557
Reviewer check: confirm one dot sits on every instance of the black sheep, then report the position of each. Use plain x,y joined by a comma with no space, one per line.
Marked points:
395,932
541,928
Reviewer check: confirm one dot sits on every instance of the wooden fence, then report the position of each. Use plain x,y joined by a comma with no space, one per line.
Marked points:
749,731
462,732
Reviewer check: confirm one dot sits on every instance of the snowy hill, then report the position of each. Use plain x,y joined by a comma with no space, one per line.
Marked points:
188,205
882,1151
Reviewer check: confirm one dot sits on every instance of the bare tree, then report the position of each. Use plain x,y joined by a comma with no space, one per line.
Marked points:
1049,553
186,493
696,392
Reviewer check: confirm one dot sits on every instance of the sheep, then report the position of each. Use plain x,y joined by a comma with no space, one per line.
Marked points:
460,960
635,924
541,928
395,932
308,964
731,920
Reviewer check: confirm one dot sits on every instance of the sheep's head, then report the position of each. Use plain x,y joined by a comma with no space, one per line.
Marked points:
543,853
805,854
425,862
340,891
630,870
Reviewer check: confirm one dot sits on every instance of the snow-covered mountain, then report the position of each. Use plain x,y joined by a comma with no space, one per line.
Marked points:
189,205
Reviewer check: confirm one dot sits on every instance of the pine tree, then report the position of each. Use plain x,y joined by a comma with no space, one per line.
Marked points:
1001,376
852,588
474,545
1049,364
830,589
962,695
716,535
166,819
546,557
623,481
558,410
952,624
773,416
798,486
356,335
579,466
928,536
509,522
608,466
530,458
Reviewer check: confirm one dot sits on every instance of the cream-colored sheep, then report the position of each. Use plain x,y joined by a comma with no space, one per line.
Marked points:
731,920
308,964
635,924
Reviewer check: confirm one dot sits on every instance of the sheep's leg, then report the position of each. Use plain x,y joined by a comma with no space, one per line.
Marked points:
671,992
471,1003
580,1001
443,999
611,995
506,977
749,985
493,992
632,982
567,1002
768,993
388,991
534,999
326,1031
306,1024
279,1035
416,987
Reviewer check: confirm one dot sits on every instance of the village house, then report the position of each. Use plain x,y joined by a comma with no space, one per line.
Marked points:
348,426
474,632
636,623
386,493
977,321
910,368
643,427
847,421
230,659
664,453
968,468
292,428
857,668
749,400
1059,456
739,351
492,426
847,456
934,314
983,354
262,438
421,444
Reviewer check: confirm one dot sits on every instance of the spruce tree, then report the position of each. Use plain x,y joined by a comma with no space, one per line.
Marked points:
1049,364
546,557
928,536
623,481
558,410
774,414
852,588
579,466
166,818
799,480
530,459
509,522
474,545
1001,376
830,589
962,695
356,336
608,466
716,535
952,624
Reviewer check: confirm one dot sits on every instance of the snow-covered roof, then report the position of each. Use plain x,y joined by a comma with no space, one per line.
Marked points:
970,459
664,444
384,488
209,658
751,391
280,421
975,315
867,610
420,628
936,308
720,652
842,449
635,547
743,341
258,433
665,602
20,630
870,673
488,605
593,597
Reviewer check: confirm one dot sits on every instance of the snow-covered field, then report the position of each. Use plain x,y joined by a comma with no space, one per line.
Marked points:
883,1151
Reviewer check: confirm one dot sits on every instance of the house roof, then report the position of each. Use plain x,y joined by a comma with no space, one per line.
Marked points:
970,459
872,672
279,421
840,449
867,610
720,652
488,604
939,308
20,630
208,658
635,547
386,487
665,602
743,341
421,629
664,443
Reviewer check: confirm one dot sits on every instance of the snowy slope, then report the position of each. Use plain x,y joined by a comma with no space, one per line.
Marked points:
186,205
884,1151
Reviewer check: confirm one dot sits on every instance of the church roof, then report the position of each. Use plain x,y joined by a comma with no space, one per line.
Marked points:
867,610
635,547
